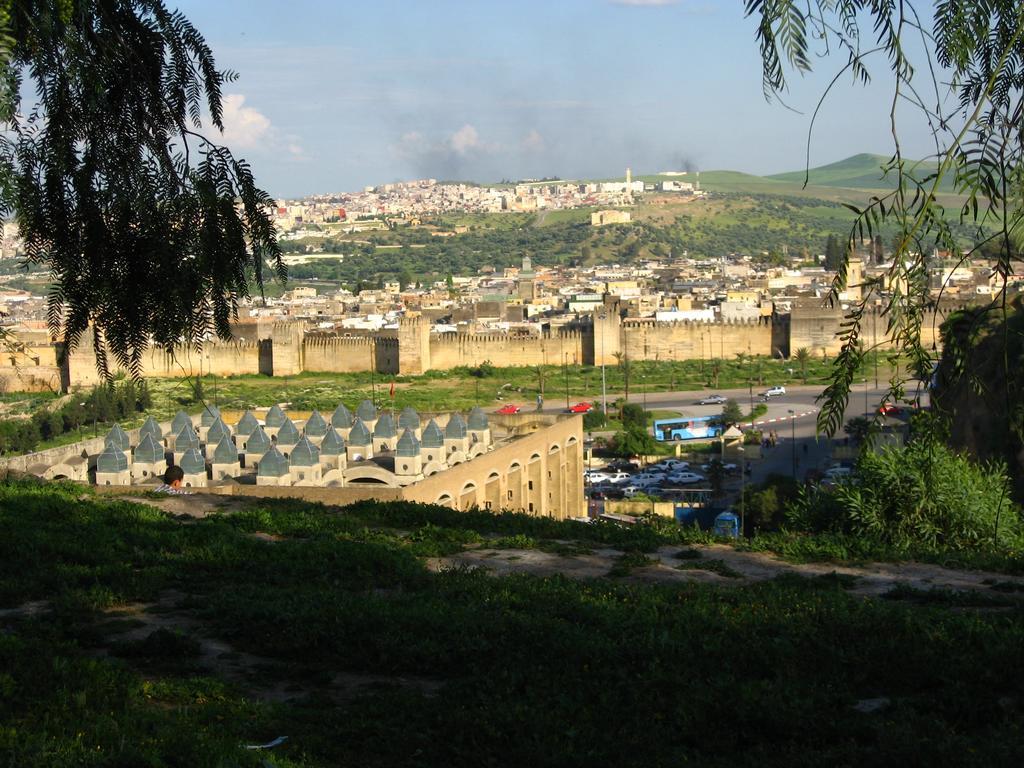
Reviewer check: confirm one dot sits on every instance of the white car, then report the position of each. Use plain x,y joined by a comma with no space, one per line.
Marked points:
647,481
712,400
596,477
773,392
632,490
619,477
685,478
674,465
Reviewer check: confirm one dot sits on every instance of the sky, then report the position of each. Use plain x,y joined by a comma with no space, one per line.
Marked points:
335,95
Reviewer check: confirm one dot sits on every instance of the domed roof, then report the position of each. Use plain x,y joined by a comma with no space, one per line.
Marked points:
305,454
218,429
385,426
332,444
112,459
408,445
316,425
193,463
180,420
366,411
273,464
342,417
477,419
275,416
246,425
433,437
409,418
359,434
209,415
151,427
226,452
186,438
288,433
149,450
455,429
118,438
258,442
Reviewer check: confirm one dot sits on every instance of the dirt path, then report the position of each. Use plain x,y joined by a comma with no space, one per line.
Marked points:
727,566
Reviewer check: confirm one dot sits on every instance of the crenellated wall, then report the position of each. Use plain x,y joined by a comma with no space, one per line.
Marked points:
285,349
651,340
458,349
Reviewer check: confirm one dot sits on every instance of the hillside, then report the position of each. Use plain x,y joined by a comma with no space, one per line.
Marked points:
863,171
399,634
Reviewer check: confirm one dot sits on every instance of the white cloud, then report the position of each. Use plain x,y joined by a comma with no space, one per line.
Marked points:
244,127
466,140
533,141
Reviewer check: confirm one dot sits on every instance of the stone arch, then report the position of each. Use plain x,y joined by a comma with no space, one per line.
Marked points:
477,449
432,468
369,473
445,500
456,457
493,491
468,495
514,490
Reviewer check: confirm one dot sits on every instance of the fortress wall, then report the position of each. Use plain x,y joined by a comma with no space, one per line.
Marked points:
218,357
338,354
453,350
32,368
650,340
818,329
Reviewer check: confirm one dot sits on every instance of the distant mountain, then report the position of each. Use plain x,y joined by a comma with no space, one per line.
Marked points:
862,171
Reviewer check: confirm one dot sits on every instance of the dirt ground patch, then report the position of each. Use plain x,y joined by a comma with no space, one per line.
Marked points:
197,505
261,677
870,580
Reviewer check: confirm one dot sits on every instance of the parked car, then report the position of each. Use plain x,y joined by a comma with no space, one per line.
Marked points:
646,481
619,477
629,491
712,400
838,473
580,408
674,464
727,467
622,465
508,410
773,392
685,478
889,409
596,477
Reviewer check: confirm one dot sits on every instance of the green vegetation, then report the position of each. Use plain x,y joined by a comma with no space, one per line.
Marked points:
921,495
384,662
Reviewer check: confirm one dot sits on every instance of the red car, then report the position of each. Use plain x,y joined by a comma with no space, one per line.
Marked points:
507,410
580,408
888,409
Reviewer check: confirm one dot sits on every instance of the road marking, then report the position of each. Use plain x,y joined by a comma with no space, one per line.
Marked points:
772,421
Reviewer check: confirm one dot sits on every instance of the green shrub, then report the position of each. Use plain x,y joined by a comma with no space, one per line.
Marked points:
923,494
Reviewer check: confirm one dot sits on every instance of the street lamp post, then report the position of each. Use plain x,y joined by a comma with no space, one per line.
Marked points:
792,441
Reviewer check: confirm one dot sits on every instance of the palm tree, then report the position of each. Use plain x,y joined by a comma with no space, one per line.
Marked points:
716,368
803,357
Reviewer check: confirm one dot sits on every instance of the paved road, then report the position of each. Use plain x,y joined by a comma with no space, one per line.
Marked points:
792,416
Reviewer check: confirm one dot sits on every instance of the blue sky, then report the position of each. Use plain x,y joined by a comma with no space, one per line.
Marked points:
336,95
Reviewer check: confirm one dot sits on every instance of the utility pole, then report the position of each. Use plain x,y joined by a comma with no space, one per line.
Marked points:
604,380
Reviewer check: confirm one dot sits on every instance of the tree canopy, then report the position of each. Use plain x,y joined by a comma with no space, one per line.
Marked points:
968,83
152,231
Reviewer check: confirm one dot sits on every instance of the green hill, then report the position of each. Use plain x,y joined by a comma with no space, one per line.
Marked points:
863,171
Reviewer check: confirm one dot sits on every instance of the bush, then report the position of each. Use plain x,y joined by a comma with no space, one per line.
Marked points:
634,441
634,415
595,419
921,495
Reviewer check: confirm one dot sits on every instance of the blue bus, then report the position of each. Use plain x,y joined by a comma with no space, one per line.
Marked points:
689,428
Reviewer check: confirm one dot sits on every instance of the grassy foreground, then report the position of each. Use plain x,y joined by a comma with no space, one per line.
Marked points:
462,668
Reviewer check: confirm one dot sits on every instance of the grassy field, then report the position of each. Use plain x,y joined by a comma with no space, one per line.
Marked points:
455,389
147,640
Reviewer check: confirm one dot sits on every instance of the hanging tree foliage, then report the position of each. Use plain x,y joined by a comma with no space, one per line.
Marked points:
151,230
968,82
